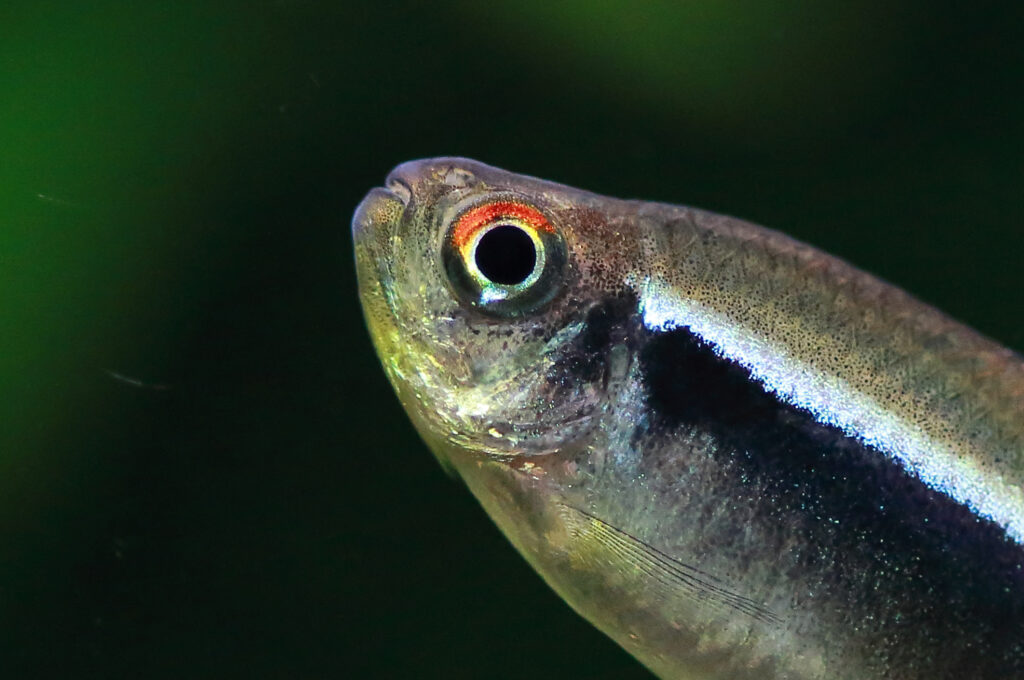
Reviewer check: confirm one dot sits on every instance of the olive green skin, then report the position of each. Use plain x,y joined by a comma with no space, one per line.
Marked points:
659,541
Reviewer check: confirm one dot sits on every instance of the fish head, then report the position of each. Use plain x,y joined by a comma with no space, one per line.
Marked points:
506,313
485,293
501,309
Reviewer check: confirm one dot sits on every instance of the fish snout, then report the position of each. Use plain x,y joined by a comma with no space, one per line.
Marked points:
377,214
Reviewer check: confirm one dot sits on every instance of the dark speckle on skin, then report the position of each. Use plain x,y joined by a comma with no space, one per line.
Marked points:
609,322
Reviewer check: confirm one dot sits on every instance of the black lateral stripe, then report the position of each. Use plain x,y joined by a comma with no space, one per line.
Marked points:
911,550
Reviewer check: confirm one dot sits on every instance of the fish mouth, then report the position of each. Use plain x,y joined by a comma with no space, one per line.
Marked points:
374,231
381,207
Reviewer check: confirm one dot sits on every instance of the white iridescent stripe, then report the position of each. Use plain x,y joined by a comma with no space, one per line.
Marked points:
833,401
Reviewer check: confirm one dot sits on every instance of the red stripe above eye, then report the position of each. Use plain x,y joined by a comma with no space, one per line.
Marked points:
483,215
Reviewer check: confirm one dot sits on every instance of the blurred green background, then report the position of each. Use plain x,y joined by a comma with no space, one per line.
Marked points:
203,472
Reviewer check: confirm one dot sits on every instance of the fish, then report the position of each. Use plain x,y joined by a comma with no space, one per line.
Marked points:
737,456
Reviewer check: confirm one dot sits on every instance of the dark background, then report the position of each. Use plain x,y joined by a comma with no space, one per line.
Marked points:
203,472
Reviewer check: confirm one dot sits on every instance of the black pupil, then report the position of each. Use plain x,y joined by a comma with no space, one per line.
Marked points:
506,255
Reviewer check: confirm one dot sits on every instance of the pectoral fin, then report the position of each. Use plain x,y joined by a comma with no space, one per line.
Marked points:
670,577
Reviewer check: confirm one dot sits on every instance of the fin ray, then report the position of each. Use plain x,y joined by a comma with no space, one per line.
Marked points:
673,576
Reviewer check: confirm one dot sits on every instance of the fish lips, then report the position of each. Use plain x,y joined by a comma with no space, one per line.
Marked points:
379,210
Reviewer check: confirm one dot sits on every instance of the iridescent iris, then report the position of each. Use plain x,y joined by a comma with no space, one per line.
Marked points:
504,257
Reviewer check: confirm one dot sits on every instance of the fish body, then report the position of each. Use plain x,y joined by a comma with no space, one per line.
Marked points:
736,455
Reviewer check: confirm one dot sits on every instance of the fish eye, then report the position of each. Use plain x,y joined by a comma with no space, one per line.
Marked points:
504,258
